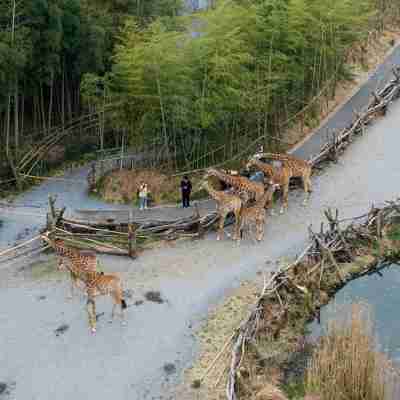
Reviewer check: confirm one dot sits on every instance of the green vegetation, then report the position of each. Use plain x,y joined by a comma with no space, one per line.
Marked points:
254,65
46,46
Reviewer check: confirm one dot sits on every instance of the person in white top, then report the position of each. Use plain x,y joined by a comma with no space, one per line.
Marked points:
143,193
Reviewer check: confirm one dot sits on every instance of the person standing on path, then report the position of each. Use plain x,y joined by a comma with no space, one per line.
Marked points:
143,192
186,188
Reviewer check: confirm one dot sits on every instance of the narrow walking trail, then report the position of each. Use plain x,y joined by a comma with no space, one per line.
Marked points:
145,359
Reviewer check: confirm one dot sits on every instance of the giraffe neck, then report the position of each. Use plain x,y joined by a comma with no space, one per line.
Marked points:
225,177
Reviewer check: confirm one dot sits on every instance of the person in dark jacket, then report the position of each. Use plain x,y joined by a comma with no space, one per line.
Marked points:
186,188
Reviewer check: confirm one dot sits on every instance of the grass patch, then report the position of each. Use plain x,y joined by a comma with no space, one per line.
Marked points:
45,269
294,390
122,187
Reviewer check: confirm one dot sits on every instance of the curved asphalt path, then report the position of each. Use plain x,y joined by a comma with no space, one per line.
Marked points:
135,362
345,114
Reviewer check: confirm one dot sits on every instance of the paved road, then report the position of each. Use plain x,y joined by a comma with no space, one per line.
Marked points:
135,362
357,102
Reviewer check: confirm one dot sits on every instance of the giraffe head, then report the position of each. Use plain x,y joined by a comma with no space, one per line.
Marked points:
258,156
202,184
273,186
46,238
250,163
210,172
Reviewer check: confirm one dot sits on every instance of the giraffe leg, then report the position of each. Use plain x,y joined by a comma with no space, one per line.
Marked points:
262,226
123,306
112,313
74,283
91,310
307,188
236,228
221,226
285,196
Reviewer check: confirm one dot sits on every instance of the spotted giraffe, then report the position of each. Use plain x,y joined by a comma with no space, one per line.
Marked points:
226,203
278,175
256,214
82,261
101,284
295,167
253,190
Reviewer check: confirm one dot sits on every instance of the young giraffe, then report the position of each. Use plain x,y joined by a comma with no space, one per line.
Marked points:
100,284
83,261
256,213
296,168
240,183
226,203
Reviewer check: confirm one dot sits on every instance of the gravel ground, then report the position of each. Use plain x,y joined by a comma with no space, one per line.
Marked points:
145,359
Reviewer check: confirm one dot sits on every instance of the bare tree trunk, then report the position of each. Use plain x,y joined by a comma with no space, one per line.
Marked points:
22,109
63,97
163,115
42,107
51,101
16,118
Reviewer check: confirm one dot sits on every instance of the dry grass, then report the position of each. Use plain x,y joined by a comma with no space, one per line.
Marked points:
346,364
212,336
121,186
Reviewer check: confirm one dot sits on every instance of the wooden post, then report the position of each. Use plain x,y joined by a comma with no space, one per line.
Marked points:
92,177
48,222
200,230
51,221
131,238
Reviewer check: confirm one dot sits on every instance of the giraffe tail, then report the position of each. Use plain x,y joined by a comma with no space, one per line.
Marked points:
123,304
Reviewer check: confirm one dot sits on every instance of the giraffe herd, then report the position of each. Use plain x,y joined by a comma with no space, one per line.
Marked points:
248,201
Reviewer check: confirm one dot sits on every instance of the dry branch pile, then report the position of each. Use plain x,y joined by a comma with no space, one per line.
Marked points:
126,238
377,107
296,292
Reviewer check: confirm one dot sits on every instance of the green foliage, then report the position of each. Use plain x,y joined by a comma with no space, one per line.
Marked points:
192,82
252,64
295,390
394,233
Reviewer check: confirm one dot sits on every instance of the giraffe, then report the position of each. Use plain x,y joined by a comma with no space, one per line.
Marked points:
280,176
254,190
82,261
256,213
296,167
226,203
99,284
